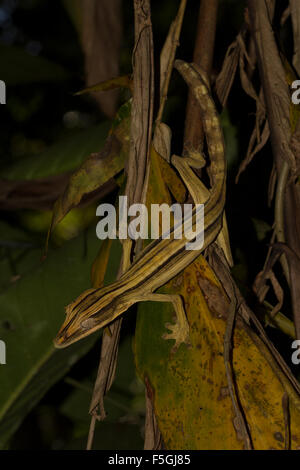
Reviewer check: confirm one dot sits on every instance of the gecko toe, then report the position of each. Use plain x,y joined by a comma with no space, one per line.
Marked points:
179,333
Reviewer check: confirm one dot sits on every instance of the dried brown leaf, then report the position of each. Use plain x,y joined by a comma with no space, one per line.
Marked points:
167,56
226,76
295,146
275,87
294,268
256,143
38,194
295,15
142,103
162,140
98,169
106,369
123,81
140,138
257,139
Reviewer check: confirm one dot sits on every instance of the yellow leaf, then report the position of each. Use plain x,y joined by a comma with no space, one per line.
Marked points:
189,388
191,398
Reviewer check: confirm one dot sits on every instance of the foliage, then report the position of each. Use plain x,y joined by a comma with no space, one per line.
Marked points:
58,146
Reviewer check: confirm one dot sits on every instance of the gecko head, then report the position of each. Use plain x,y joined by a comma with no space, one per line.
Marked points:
86,315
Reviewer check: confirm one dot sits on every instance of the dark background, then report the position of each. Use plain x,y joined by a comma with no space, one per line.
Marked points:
38,113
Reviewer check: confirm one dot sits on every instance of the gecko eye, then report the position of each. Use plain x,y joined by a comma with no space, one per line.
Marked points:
88,323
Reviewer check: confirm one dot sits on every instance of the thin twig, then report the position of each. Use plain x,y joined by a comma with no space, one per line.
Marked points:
169,50
91,433
279,213
228,337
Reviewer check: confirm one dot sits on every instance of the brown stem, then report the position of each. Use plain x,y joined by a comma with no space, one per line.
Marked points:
203,56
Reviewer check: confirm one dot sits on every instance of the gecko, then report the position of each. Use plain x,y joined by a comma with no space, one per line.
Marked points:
163,258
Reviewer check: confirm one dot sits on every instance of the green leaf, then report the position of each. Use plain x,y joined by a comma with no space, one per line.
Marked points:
120,402
63,156
231,141
74,10
19,253
98,168
18,67
32,311
261,227
45,373
120,436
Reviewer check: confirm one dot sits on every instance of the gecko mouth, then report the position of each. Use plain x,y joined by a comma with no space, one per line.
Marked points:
63,339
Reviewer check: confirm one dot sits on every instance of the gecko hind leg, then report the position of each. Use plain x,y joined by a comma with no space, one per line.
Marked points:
200,193
196,188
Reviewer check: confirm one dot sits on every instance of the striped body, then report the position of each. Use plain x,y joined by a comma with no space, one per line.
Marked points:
163,258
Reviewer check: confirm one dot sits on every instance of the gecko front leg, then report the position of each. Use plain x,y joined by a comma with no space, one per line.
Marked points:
180,329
